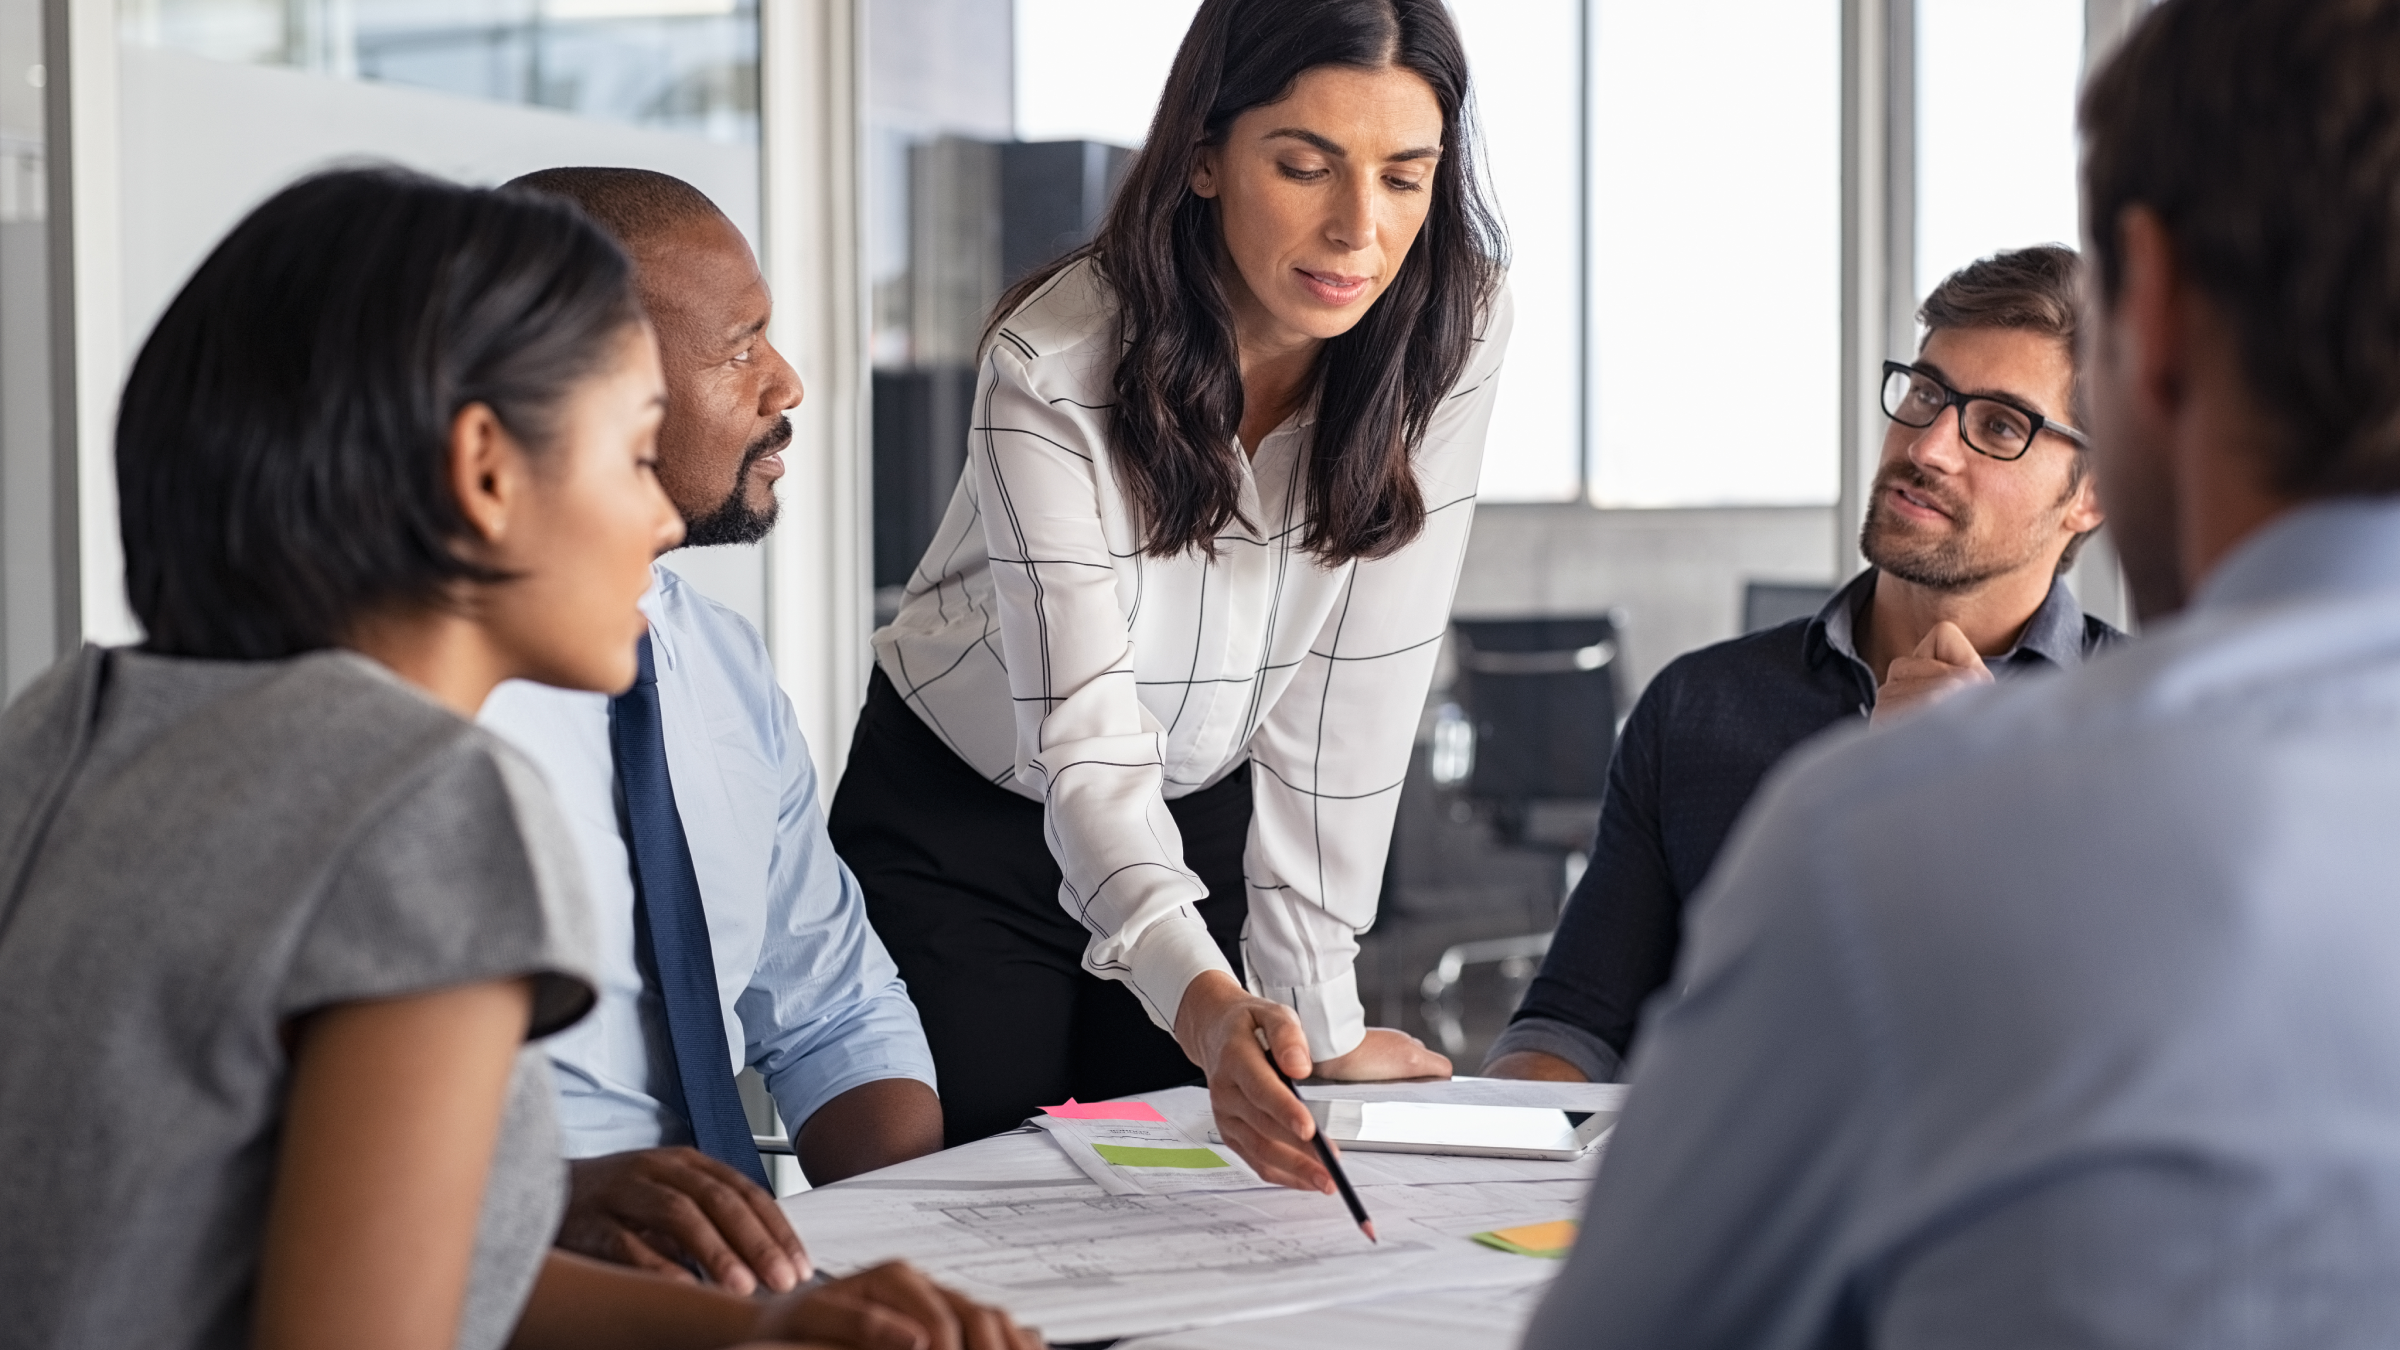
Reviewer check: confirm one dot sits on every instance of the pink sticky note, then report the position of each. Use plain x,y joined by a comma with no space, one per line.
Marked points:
1075,1110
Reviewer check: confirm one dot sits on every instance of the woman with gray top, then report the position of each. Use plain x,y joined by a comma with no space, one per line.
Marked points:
278,924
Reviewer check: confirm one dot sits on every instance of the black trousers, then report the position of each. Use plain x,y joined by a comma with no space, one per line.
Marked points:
964,892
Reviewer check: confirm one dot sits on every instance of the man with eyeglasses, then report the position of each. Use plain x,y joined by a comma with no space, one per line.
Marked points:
1981,501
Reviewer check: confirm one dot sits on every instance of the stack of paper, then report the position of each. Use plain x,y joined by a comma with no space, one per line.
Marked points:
1130,1149
1087,1246
1474,1319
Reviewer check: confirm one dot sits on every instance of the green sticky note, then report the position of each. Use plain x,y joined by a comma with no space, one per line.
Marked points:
1124,1156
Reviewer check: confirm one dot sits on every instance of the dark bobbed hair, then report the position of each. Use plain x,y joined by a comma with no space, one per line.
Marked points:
2265,135
1178,379
283,442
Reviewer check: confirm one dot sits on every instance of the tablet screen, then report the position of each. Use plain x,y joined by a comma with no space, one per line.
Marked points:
1444,1125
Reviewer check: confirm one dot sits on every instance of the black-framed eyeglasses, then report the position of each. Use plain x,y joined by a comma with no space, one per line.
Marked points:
1991,427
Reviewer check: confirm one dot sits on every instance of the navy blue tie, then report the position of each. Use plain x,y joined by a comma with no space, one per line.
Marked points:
666,902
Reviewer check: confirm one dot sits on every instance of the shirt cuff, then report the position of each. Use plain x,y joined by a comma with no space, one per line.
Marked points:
1330,1013
1595,1059
1166,959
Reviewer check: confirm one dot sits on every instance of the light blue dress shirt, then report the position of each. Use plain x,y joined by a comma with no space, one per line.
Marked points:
811,999
2065,1014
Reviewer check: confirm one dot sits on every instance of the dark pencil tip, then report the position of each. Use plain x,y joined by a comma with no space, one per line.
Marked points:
1368,1228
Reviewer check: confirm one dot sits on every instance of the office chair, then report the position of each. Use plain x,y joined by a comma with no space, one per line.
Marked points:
1541,699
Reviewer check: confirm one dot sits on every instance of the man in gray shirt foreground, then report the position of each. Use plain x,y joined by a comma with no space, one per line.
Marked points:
2068,1014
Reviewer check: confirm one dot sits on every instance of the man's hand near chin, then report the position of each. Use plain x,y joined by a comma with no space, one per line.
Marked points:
1943,664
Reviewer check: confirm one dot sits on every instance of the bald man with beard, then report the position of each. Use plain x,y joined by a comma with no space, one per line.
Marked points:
731,934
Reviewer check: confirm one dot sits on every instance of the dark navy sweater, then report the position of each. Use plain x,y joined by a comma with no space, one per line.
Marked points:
1705,733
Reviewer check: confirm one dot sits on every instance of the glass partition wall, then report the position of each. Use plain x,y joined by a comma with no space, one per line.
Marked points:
686,66
29,566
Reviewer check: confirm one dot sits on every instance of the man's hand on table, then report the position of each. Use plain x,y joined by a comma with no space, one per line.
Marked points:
1944,663
889,1307
655,1208
1537,1065
1219,1024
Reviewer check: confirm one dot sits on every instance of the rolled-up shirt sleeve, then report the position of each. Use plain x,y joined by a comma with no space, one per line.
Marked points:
1332,751
1085,743
826,1010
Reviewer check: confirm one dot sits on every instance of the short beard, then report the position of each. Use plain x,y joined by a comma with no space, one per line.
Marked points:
1946,565
735,521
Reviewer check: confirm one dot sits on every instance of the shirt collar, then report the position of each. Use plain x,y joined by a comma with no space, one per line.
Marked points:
2055,632
653,605
1835,629
2348,546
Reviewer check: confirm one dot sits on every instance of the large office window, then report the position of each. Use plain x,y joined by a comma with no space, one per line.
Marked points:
1716,252
1527,61
1996,87
1091,70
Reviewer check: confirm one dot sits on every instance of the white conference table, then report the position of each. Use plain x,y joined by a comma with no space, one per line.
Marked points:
1011,1220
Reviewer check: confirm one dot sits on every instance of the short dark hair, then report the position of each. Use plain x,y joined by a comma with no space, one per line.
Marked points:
2036,290
1178,379
2265,135
283,441
628,203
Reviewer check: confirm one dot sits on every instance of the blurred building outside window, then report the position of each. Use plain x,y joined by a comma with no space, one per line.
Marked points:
688,66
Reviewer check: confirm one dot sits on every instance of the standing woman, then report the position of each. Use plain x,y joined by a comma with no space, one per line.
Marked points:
1143,717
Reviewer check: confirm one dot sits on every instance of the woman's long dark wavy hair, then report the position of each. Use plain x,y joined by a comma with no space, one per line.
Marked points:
1178,380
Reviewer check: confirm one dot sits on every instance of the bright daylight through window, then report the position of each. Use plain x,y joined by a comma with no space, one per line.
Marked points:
1716,252
1994,172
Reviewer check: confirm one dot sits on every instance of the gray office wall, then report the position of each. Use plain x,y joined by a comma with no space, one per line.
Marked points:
1676,574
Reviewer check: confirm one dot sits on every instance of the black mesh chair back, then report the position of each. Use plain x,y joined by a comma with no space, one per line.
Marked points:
1543,695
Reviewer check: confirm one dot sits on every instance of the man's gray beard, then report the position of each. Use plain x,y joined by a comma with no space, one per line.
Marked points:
1937,565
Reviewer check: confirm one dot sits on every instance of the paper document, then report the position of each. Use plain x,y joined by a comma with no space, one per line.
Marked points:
1011,1221
1130,1152
1450,1216
1085,1266
1471,1319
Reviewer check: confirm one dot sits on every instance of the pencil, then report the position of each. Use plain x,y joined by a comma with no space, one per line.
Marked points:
1332,1164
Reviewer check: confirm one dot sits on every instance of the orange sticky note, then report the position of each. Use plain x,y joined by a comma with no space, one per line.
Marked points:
1549,1240
1075,1110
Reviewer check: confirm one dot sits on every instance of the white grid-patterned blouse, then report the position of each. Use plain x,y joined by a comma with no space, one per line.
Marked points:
1051,655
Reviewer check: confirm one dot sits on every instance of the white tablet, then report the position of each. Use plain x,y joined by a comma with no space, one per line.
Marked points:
1471,1131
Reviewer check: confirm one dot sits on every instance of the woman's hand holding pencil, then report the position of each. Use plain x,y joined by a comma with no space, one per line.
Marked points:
1230,1034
